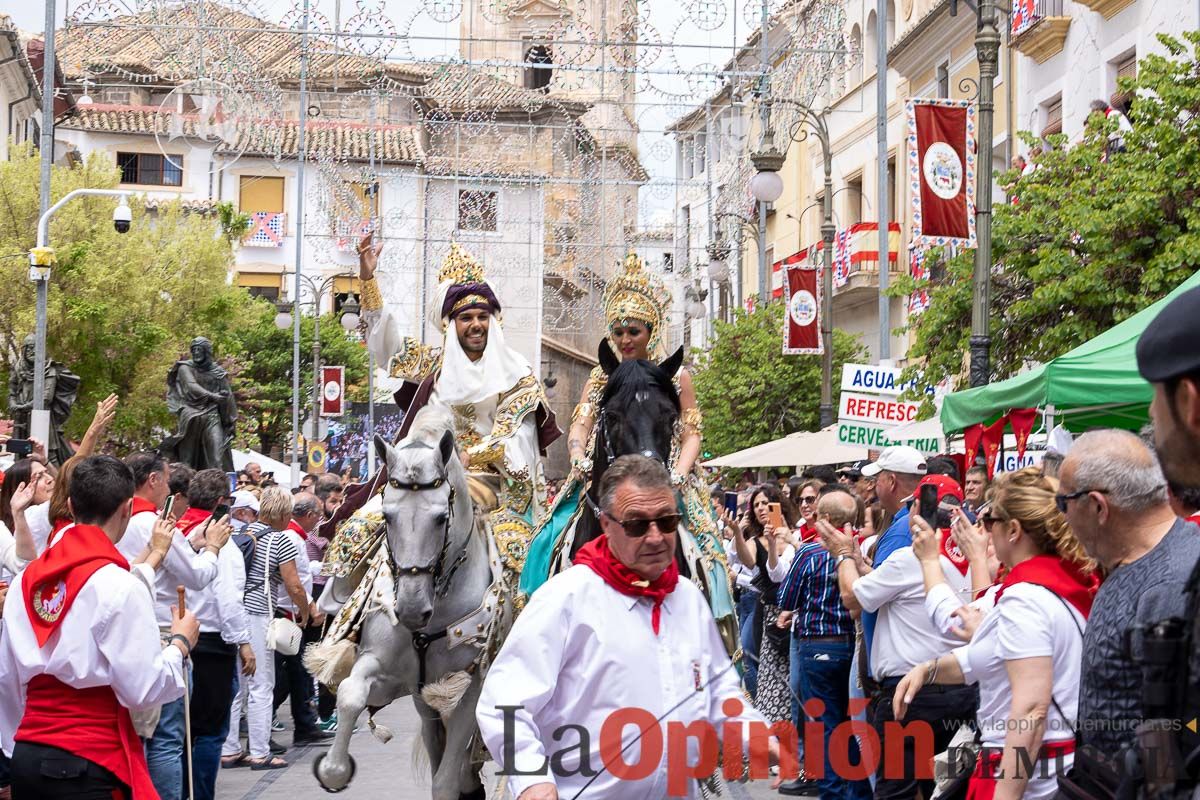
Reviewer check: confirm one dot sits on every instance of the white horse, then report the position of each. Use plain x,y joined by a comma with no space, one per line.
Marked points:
445,606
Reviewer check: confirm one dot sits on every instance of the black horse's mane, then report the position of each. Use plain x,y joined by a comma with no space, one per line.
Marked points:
635,376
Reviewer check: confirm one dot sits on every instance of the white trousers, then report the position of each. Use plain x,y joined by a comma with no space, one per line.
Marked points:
261,688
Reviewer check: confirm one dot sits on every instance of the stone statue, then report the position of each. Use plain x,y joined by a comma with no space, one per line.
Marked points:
61,388
198,394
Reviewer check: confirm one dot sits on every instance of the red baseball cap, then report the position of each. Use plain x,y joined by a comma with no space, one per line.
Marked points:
946,486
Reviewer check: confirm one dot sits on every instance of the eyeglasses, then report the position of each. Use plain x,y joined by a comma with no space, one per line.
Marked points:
1061,500
988,521
804,501
637,528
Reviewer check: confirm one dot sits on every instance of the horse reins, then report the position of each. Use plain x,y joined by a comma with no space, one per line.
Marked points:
421,640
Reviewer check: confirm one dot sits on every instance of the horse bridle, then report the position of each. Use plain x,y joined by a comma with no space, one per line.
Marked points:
441,577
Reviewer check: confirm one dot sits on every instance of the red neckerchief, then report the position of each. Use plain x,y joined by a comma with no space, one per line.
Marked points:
808,533
295,528
953,552
141,505
191,518
1060,576
1194,518
53,580
598,557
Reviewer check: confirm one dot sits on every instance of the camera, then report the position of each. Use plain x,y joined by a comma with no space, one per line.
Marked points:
122,217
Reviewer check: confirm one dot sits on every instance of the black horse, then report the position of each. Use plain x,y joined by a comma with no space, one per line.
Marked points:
637,415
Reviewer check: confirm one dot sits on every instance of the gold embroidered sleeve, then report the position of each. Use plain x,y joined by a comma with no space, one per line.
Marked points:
584,411
512,410
414,361
372,298
693,420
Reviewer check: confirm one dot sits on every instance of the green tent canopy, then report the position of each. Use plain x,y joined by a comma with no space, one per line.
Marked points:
1095,385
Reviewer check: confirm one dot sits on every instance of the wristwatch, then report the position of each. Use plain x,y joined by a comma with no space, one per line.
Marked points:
837,561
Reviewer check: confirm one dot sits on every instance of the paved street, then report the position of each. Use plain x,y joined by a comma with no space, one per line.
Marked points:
385,771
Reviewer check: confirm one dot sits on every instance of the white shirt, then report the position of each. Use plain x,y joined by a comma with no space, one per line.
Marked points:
1029,621
107,638
904,635
782,565
38,519
580,651
283,600
742,574
182,565
9,560
219,606
941,602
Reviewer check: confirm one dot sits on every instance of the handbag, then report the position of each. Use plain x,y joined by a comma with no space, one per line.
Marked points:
283,635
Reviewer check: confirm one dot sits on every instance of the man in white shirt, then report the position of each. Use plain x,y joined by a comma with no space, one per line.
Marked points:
618,630
224,633
292,679
183,566
80,650
904,637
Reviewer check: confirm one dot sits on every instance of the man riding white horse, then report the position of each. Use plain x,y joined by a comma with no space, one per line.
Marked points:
503,422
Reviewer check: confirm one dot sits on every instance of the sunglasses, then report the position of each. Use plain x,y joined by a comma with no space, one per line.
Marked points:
637,528
1062,500
988,521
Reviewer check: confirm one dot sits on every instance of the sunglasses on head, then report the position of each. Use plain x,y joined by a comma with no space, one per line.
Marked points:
637,528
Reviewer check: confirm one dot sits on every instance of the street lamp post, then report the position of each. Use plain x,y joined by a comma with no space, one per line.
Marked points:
987,49
283,321
767,186
41,259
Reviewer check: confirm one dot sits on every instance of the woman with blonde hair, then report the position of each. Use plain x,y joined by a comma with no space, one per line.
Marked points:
1027,651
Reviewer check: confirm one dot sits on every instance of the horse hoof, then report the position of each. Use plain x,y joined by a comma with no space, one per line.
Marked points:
317,774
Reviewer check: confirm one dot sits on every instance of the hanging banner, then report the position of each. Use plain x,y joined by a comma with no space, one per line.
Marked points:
993,438
802,326
941,171
333,391
1021,420
971,439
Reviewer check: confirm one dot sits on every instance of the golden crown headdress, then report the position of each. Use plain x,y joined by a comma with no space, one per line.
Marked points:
639,295
459,266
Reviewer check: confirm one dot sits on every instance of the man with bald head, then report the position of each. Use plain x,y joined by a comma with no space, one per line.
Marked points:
1114,495
823,638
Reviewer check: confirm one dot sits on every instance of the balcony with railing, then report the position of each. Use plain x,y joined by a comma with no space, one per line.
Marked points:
855,260
1039,28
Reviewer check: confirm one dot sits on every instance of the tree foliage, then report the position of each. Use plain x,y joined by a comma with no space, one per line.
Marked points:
124,307
750,392
263,380
1091,237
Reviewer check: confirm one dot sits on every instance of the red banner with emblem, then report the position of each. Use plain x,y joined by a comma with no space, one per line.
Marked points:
941,171
333,391
802,310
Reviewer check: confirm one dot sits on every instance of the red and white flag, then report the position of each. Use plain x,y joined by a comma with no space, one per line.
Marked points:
802,325
941,171
333,391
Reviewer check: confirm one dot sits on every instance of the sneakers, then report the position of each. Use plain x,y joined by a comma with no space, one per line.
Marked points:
277,726
328,725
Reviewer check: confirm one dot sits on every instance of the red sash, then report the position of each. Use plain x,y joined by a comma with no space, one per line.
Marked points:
141,504
598,557
89,723
191,518
983,780
52,581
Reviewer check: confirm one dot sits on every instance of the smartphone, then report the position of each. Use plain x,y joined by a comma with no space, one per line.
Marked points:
775,512
167,507
220,511
232,481
731,503
927,505
19,447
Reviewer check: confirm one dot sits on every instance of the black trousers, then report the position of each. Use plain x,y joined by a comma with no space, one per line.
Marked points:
48,773
293,681
935,715
214,663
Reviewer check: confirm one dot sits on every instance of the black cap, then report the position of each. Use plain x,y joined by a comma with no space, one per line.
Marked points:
1167,348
